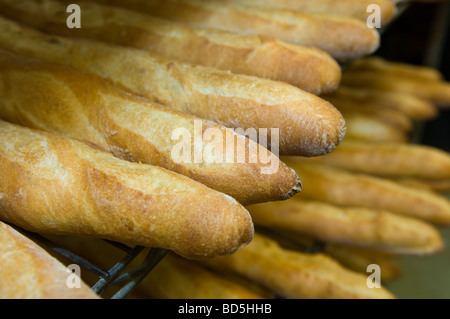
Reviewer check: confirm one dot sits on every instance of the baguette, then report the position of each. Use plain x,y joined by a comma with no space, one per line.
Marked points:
139,131
364,128
29,272
384,67
390,160
178,278
292,274
345,188
308,68
352,8
51,184
352,226
235,101
416,108
330,33
437,92
173,277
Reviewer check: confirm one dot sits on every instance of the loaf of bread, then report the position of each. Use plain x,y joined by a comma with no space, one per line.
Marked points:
365,128
52,184
352,226
85,107
307,124
29,272
353,8
292,274
391,160
342,37
416,108
178,278
308,68
388,116
341,187
352,257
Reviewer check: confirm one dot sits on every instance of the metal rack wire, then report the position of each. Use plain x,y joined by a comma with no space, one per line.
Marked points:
114,277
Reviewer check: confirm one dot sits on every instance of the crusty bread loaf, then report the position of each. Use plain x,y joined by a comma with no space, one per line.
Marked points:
353,8
352,226
308,68
390,160
414,107
307,124
345,188
341,36
52,184
28,272
178,278
292,274
437,92
358,259
63,100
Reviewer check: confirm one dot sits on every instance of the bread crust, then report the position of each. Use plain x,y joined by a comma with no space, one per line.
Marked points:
308,125
52,184
345,188
352,8
292,274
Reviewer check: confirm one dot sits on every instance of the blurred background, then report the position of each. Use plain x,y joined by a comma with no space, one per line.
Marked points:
421,35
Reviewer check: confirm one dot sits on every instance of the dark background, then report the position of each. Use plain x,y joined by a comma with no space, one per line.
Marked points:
420,35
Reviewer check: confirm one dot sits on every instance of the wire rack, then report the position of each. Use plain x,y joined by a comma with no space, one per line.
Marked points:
120,278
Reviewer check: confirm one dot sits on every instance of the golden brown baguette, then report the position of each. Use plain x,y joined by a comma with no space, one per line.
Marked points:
308,68
353,226
385,115
330,33
178,278
29,272
358,259
345,188
52,184
351,8
292,274
352,257
236,101
365,128
390,160
437,92
63,100
385,67
414,107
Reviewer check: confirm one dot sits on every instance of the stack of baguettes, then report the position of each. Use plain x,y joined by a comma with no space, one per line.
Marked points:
88,117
